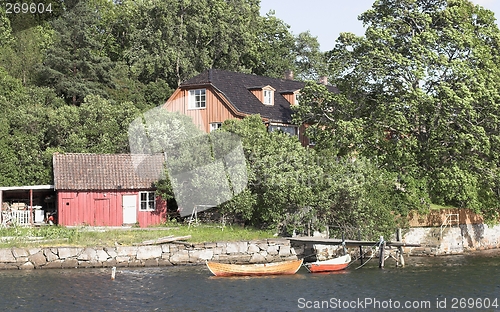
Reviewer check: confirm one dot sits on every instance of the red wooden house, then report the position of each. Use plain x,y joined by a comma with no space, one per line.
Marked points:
107,190
216,95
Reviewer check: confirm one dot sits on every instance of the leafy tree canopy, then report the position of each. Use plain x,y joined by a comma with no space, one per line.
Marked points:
420,96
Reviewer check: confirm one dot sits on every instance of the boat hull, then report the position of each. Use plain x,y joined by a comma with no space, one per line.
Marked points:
337,264
278,268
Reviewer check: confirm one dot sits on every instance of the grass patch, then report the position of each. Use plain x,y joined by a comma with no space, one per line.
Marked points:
53,236
438,207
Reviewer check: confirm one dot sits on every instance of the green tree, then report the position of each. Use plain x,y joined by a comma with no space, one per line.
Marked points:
96,126
421,97
76,64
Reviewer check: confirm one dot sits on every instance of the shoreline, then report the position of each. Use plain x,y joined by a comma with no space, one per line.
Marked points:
173,254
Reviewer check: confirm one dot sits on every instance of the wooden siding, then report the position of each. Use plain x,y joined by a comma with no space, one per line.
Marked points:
259,94
215,109
103,208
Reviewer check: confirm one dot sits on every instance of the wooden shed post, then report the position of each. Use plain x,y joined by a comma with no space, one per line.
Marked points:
31,206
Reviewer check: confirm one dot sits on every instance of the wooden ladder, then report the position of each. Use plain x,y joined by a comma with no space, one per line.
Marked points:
451,219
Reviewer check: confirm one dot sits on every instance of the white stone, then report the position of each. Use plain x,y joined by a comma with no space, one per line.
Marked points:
149,252
68,252
200,255
6,256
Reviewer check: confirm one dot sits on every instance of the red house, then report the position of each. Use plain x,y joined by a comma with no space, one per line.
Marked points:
107,190
216,95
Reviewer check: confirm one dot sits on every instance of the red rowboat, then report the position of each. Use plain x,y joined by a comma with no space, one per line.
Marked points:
278,268
336,264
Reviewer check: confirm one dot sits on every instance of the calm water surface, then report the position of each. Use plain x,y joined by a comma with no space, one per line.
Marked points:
424,283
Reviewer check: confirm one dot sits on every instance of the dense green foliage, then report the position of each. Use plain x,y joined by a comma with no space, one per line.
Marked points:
420,98
416,121
72,81
301,190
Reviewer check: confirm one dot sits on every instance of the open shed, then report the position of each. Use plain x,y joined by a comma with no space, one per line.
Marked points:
27,205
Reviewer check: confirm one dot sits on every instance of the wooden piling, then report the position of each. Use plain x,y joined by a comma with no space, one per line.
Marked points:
381,256
400,257
113,273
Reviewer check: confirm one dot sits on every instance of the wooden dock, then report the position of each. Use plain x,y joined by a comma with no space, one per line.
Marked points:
381,244
334,241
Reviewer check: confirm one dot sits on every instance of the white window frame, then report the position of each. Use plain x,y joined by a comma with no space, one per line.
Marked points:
296,98
215,126
268,97
197,99
274,127
145,204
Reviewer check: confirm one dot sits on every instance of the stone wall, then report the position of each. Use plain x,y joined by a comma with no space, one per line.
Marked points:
453,240
259,251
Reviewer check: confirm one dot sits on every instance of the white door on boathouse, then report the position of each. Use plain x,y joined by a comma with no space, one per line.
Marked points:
129,203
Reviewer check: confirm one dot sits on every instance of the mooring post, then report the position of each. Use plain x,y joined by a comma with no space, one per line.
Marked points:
360,247
381,256
399,238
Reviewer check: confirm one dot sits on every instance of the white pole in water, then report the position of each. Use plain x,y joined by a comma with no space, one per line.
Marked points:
113,273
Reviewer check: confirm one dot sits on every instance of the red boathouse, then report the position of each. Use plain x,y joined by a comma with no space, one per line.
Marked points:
107,190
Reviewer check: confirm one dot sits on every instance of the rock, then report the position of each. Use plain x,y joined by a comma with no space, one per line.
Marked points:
149,252
252,248
122,259
164,262
236,247
196,256
284,251
151,262
101,255
33,251
68,252
273,250
165,248
8,266
20,252
109,263
38,259
84,264
69,263
126,251
135,263
27,266
87,254
257,258
56,264
182,256
50,255
6,256
111,252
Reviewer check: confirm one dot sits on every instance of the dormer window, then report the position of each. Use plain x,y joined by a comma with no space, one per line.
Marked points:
268,97
197,99
296,98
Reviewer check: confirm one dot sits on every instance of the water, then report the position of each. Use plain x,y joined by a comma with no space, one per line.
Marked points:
192,288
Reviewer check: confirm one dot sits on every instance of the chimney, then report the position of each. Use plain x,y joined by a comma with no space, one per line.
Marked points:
323,80
288,74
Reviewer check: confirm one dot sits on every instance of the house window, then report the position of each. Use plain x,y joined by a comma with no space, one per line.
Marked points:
215,126
148,201
268,97
197,99
296,98
291,130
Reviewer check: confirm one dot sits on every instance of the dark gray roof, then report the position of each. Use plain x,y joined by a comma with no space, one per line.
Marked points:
105,171
236,87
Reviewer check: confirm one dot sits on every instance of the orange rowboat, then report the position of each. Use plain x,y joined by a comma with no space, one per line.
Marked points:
336,264
278,268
